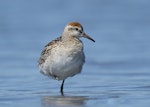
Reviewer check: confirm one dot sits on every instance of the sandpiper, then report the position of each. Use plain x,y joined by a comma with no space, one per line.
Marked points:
64,56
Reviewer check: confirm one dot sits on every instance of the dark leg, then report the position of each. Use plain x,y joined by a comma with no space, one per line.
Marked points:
61,88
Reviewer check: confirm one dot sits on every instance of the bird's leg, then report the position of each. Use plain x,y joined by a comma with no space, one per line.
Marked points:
61,88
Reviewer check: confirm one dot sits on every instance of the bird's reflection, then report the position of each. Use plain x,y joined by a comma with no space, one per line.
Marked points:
66,101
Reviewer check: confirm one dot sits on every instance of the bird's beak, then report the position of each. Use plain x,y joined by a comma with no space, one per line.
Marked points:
88,37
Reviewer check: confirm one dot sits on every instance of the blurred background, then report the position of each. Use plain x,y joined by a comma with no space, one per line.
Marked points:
119,59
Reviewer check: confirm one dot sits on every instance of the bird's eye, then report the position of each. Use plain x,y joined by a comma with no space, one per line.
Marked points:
77,29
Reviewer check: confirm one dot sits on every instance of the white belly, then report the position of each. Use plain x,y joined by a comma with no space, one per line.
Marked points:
61,65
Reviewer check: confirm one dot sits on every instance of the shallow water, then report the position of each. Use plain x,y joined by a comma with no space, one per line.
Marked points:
117,68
